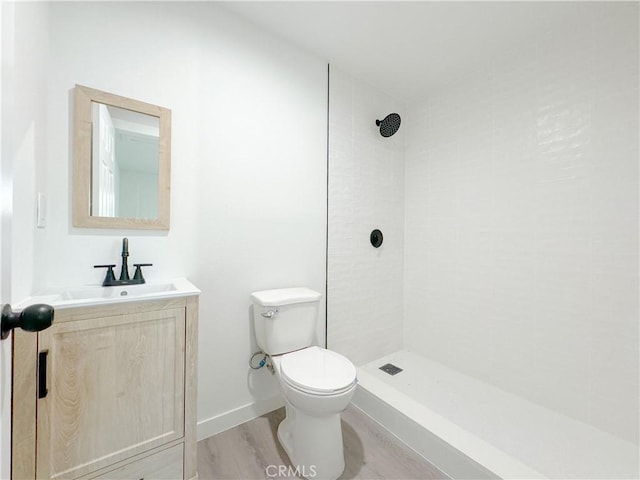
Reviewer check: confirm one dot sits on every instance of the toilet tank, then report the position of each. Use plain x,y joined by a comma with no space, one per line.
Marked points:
285,318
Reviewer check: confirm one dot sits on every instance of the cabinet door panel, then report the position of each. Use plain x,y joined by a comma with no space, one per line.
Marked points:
164,465
116,388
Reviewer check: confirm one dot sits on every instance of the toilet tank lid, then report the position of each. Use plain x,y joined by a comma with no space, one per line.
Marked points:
285,296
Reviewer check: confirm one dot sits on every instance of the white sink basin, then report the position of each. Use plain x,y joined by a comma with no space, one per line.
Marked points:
95,295
85,293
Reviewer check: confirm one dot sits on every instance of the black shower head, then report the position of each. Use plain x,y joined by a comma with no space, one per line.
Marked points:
389,125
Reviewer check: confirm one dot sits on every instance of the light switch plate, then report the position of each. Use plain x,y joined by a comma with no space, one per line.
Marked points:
41,211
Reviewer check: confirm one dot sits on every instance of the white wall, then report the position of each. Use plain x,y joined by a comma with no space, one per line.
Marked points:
521,252
366,191
24,134
248,199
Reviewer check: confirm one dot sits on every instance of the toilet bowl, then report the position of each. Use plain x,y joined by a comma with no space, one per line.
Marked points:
317,384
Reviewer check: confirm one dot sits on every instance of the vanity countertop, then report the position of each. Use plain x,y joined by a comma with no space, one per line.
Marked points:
90,295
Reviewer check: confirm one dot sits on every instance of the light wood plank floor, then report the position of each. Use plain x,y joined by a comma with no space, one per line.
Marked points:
245,452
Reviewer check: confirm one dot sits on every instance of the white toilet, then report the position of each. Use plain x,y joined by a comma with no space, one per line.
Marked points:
317,383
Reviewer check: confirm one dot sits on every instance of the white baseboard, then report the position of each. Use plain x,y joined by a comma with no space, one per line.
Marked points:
232,418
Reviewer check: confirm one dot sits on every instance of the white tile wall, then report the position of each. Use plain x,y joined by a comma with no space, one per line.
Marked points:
521,251
366,178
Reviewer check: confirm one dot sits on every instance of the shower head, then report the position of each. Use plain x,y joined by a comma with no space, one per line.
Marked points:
389,125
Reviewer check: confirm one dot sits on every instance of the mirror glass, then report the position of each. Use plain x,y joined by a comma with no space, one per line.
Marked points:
121,162
124,168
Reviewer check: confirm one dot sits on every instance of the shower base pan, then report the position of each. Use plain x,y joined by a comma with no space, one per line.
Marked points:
472,430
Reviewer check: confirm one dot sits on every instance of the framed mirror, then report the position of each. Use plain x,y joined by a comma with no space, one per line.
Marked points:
121,162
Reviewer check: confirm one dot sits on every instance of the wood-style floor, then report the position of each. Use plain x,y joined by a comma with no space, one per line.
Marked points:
371,452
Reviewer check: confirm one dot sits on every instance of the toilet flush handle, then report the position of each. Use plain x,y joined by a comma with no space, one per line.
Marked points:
270,313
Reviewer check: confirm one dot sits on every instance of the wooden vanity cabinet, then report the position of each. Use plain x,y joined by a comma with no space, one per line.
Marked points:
119,400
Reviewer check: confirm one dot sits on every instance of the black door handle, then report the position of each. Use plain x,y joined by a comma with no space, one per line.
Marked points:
33,318
42,374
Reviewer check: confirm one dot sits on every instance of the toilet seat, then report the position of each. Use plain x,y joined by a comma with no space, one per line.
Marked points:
318,371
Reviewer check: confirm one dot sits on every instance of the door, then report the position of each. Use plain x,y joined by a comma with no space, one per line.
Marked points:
103,171
5,409
114,388
5,347
20,395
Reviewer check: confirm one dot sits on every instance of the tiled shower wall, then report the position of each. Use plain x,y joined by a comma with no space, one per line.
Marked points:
366,191
521,250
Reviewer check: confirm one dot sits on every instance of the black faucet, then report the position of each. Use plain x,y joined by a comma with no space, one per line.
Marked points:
124,272
110,278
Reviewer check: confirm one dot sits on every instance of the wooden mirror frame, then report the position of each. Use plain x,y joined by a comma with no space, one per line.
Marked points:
82,151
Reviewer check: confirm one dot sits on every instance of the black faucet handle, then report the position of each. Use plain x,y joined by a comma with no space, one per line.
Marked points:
110,277
138,273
